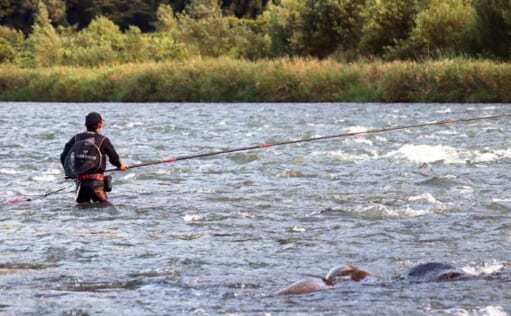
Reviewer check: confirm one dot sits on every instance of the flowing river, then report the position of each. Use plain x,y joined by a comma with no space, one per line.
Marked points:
220,235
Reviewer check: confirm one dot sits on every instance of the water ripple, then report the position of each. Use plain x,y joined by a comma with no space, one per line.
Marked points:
218,235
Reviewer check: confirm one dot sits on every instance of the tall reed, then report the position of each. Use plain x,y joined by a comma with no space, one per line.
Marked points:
282,80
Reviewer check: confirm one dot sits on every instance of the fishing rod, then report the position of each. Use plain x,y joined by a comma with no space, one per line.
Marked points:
313,139
30,198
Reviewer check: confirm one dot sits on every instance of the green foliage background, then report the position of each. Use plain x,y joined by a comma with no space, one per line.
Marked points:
104,32
255,50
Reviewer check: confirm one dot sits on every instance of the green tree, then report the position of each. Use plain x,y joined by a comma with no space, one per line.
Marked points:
7,52
20,14
56,11
163,44
100,43
494,23
446,27
44,42
140,13
329,25
136,46
207,33
386,23
281,22
246,8
166,22
12,36
202,9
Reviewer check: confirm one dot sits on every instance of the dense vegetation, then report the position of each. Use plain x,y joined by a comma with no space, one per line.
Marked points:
103,32
282,80
255,50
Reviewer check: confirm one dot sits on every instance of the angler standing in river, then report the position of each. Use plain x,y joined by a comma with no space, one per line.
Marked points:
84,160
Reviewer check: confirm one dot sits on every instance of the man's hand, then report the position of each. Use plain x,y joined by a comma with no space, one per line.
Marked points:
123,167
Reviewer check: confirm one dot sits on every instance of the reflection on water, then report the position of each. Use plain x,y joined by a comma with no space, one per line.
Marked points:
217,235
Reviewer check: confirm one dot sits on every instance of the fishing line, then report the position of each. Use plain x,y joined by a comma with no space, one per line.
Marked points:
314,139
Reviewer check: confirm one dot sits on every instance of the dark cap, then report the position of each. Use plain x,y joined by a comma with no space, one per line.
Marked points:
92,120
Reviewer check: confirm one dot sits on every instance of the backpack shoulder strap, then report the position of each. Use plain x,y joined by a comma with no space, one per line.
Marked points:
100,139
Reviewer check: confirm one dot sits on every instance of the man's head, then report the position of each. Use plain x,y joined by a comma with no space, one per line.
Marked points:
93,121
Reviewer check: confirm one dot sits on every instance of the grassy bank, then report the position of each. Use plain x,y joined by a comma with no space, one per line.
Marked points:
226,80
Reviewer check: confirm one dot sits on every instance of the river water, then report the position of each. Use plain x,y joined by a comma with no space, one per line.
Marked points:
219,235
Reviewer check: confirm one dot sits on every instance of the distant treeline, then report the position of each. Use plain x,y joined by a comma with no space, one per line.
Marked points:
42,33
19,14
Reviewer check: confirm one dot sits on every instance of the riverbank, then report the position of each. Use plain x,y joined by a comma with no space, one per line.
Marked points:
284,80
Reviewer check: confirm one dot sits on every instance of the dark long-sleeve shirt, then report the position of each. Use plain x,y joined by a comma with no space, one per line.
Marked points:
105,147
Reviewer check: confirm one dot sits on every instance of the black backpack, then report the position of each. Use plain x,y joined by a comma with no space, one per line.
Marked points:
85,157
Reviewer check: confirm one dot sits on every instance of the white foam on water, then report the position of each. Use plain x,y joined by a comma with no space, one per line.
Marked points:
361,140
447,132
9,171
484,157
45,178
192,218
357,129
486,268
53,171
380,138
495,155
380,210
129,176
490,310
345,156
427,154
444,111
493,311
424,197
128,125
411,212
296,229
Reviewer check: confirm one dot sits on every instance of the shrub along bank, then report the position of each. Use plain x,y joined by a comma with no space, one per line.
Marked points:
282,80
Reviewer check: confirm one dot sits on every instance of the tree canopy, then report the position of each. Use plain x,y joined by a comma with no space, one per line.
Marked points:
19,14
95,32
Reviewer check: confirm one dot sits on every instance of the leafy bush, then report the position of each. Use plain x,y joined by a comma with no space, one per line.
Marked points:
100,43
329,25
44,42
281,24
494,22
386,23
101,32
7,53
166,22
446,27
257,41
204,30
12,36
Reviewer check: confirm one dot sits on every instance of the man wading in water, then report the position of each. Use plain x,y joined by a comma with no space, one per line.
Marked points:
84,160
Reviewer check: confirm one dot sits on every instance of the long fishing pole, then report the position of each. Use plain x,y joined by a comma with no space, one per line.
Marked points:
30,198
313,139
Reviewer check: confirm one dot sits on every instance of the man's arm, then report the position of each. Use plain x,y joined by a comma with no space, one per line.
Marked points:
111,153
